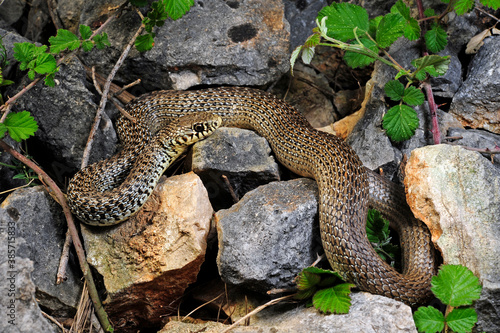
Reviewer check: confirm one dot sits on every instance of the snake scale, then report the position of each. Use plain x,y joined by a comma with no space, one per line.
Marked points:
97,194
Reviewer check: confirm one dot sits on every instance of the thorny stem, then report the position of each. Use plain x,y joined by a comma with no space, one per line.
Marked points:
53,188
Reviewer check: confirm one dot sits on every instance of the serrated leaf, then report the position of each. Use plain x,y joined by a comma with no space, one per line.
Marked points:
307,54
374,22
456,285
495,4
23,52
20,125
400,122
312,40
394,90
377,228
316,270
436,39
428,319
343,19
64,39
357,60
87,45
390,28
401,8
462,320
433,64
334,300
101,41
412,29
45,63
413,96
463,6
3,129
85,31
294,56
429,12
177,8
144,42
49,79
307,280
401,73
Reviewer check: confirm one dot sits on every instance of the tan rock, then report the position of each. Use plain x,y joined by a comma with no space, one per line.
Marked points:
149,260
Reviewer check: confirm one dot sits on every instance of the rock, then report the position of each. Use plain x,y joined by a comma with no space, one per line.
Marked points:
11,11
480,139
456,192
41,226
477,102
241,155
269,236
348,101
38,21
226,43
65,115
8,39
369,313
149,260
7,173
302,17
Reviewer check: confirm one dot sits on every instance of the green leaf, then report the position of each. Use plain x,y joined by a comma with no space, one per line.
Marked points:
401,8
390,28
495,4
429,319
45,63
334,300
463,6
87,45
64,39
3,129
293,57
456,285
20,125
377,228
357,60
85,31
307,280
343,19
432,64
101,41
412,29
413,96
429,12
400,122
374,22
316,270
177,8
312,40
144,42
436,39
49,79
394,90
139,3
462,320
23,52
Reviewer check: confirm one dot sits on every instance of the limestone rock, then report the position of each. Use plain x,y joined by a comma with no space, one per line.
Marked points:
476,138
477,102
269,235
241,155
456,192
41,225
149,260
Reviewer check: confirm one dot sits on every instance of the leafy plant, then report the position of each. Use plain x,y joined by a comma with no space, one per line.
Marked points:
456,286
160,11
23,172
377,230
347,26
41,60
20,126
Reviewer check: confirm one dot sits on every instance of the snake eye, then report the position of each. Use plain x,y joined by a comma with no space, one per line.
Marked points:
199,127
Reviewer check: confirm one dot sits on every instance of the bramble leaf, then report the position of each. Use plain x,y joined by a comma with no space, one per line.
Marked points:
400,122
495,4
307,280
307,54
85,31
390,28
463,6
456,285
101,41
177,8
413,96
462,320
412,29
23,52
394,90
293,57
436,39
428,319
20,125
429,12
357,60
87,45
64,39
343,18
433,64
144,42
45,63
3,129
377,228
334,300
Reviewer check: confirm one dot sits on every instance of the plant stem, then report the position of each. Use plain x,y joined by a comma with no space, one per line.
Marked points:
52,187
436,134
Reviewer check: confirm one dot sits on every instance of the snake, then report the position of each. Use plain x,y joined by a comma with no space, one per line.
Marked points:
110,191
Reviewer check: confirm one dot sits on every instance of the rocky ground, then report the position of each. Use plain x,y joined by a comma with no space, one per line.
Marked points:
191,244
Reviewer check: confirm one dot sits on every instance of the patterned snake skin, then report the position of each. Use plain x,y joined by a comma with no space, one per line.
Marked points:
346,188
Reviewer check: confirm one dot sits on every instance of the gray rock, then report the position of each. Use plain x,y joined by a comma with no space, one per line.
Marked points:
456,192
9,38
241,155
11,11
302,17
7,173
219,42
269,236
476,139
477,102
65,115
41,226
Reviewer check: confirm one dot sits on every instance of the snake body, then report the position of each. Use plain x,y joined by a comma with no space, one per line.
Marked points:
346,188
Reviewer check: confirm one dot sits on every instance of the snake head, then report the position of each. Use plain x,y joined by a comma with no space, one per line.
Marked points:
190,128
